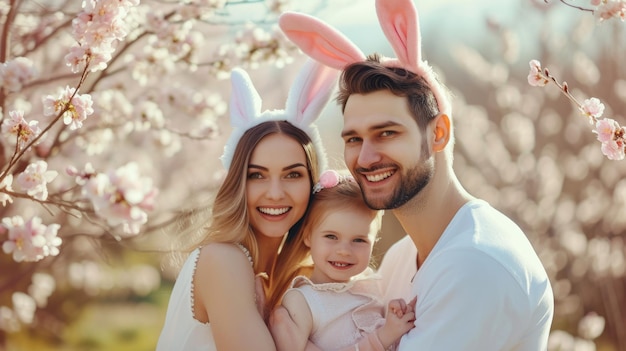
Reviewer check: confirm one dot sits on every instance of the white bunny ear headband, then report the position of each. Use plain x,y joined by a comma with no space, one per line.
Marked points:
307,97
399,22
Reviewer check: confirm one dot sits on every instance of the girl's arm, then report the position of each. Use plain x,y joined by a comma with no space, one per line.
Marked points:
296,321
224,289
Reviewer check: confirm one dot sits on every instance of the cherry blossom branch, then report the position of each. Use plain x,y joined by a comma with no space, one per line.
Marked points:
62,204
68,106
49,80
573,6
4,41
49,36
20,152
6,29
118,55
609,132
603,10
64,109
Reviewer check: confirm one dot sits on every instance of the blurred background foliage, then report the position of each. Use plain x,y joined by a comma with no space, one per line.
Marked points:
524,149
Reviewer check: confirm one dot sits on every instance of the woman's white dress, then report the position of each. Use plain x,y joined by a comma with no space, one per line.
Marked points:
181,330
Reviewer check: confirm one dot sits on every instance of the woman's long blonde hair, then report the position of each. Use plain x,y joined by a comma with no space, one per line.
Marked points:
229,222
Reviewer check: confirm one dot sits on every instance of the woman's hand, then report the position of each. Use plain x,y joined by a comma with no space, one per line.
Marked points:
259,293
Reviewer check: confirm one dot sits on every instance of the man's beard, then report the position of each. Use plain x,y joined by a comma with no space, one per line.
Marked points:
411,183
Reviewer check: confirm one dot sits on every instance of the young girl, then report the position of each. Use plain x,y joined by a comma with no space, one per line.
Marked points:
339,305
215,304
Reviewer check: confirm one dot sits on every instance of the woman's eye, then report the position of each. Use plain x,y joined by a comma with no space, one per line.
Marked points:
294,175
255,175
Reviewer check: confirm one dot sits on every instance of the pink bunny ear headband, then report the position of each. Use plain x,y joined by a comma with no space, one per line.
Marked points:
399,22
307,97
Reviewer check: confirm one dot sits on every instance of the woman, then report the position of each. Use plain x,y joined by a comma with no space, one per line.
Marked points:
256,213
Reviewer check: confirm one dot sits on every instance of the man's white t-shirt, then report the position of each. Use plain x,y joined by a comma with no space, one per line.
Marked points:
482,287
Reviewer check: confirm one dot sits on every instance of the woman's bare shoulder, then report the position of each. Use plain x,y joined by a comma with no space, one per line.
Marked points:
221,255
217,252
222,273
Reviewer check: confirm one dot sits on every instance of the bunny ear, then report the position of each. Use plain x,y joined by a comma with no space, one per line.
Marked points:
399,21
245,102
319,40
310,92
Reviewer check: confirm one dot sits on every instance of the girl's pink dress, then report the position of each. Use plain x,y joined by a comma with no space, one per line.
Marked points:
344,313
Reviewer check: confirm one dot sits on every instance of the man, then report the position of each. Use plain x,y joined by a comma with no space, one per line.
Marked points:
478,281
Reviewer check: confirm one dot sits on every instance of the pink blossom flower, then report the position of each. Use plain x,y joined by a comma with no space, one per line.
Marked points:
612,137
536,77
95,29
151,116
81,176
17,129
35,179
77,107
608,9
100,56
595,2
613,149
122,197
31,240
605,128
6,185
592,108
13,74
76,58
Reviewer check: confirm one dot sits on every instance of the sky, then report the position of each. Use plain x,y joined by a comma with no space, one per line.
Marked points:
449,20
445,23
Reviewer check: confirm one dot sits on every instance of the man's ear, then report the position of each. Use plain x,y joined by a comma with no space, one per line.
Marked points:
441,132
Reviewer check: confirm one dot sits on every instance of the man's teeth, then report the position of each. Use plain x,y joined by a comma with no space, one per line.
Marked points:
273,211
378,177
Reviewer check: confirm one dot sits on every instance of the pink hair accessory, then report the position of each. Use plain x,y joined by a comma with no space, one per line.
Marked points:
329,179
400,24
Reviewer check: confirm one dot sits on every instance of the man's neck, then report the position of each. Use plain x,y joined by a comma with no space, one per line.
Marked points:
428,214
